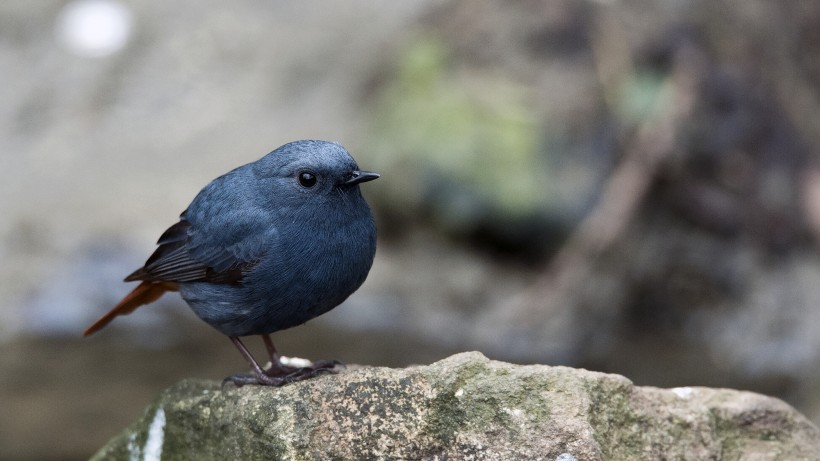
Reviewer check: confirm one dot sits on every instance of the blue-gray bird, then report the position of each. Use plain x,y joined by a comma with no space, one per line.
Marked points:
265,247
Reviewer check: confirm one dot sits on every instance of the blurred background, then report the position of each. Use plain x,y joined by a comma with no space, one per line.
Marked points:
624,186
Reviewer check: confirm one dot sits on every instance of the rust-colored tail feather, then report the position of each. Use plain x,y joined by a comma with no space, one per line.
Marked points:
144,293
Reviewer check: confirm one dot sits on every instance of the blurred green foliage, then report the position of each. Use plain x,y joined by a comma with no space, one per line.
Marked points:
640,97
477,134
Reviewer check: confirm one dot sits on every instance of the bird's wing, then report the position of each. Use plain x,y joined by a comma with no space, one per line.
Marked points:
186,254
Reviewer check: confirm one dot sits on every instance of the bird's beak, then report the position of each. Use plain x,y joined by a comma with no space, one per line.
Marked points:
360,176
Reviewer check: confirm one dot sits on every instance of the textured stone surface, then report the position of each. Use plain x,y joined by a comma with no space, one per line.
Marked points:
465,407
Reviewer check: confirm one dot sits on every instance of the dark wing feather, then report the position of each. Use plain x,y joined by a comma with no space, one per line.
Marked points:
178,260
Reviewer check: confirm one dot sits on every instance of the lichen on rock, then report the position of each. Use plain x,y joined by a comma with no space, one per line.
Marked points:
464,407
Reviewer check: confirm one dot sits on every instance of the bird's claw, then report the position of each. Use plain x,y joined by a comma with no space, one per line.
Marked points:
281,375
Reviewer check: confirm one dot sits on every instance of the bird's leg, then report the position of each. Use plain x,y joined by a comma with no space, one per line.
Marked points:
280,370
258,376
278,374
272,352
277,368
291,373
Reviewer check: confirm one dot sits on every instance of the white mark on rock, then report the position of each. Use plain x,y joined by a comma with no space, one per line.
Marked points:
152,451
459,392
565,457
515,412
134,451
296,362
683,392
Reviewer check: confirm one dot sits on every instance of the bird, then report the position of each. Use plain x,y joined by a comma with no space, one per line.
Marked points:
265,247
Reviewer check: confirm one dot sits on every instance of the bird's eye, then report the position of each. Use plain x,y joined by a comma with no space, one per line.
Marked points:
306,178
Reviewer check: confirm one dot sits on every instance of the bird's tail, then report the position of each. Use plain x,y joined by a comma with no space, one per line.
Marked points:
144,293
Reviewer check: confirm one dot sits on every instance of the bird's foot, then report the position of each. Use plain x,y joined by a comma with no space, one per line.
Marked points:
282,374
240,379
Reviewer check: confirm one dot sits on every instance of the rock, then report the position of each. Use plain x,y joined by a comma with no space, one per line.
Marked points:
465,407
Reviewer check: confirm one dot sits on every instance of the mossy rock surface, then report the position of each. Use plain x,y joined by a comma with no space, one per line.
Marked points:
464,407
